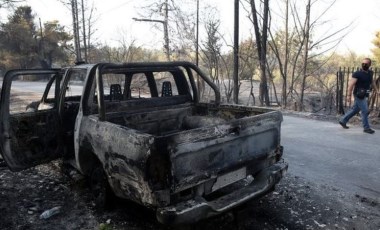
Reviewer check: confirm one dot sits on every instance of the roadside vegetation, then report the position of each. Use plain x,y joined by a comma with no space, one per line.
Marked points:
284,63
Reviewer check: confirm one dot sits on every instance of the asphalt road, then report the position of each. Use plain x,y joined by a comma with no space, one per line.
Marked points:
324,152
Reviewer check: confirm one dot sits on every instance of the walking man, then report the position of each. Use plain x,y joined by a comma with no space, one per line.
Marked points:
359,86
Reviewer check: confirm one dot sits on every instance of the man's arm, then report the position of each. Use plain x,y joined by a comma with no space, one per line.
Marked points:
351,84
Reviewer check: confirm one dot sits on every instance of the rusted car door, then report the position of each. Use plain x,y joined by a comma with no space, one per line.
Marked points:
29,137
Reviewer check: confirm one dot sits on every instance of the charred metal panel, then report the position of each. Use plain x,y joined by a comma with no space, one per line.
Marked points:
32,142
200,147
229,111
27,138
203,153
123,153
192,210
158,122
192,122
146,104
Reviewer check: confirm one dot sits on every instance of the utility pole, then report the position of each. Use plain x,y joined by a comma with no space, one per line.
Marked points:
42,50
84,34
306,53
166,35
197,38
74,10
166,30
197,49
42,56
236,53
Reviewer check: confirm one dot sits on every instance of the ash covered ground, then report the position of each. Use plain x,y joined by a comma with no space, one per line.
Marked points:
295,204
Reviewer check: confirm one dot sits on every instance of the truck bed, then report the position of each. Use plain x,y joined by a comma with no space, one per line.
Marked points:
206,141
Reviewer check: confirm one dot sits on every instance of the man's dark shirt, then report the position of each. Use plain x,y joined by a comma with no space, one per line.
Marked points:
364,79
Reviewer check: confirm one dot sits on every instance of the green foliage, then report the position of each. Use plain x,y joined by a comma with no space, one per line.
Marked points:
323,78
104,226
54,43
376,50
130,53
22,46
248,63
18,43
344,60
212,47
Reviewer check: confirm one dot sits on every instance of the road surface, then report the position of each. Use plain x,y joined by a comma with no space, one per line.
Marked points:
324,152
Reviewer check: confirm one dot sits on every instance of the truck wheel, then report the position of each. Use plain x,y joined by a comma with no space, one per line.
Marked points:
2,164
100,188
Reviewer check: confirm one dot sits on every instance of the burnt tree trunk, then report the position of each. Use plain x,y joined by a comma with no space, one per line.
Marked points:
306,54
261,41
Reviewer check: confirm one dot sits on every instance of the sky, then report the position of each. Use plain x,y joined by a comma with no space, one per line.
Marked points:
114,20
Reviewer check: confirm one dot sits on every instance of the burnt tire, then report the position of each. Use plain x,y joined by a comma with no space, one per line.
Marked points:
2,164
100,189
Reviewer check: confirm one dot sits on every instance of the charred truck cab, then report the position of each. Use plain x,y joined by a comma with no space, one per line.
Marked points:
144,132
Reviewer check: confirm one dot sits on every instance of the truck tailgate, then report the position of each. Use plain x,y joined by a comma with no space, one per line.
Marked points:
203,153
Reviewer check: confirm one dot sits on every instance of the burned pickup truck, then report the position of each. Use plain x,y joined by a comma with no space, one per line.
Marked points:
143,132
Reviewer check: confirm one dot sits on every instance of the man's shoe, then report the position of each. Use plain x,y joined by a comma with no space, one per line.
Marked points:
343,125
370,131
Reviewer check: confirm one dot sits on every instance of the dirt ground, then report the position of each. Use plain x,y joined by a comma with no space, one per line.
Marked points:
295,204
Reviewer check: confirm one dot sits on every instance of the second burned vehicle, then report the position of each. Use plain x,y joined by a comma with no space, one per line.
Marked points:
143,132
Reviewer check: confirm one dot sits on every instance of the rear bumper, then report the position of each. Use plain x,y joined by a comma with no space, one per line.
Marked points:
198,208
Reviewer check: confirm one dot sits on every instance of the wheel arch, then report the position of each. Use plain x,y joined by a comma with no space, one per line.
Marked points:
86,160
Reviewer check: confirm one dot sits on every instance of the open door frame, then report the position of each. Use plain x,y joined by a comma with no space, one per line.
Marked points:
29,138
